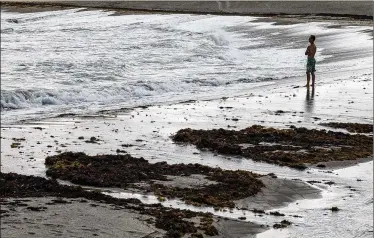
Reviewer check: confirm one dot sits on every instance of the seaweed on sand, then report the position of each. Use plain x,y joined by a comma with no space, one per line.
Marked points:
125,171
173,221
294,147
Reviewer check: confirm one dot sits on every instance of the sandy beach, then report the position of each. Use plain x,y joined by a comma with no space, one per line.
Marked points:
304,198
148,132
360,10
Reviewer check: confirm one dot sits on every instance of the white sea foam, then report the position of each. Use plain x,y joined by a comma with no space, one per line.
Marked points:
84,61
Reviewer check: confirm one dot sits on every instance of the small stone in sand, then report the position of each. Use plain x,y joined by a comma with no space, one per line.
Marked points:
335,209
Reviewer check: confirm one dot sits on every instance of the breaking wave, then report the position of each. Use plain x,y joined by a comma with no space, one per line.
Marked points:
90,60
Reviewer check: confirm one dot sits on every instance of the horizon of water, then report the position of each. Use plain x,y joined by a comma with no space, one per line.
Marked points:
74,61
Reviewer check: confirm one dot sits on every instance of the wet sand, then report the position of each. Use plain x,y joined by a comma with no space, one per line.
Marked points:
278,193
73,219
45,208
146,131
34,211
341,164
351,13
92,219
354,9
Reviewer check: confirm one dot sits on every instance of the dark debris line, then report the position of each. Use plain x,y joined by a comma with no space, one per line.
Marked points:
294,147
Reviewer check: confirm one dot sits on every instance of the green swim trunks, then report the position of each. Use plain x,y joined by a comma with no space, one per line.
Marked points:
311,65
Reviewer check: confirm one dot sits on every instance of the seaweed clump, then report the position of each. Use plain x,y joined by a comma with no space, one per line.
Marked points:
125,171
294,147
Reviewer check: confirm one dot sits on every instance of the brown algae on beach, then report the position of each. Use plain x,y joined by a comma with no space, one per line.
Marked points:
175,222
351,127
294,147
282,224
220,187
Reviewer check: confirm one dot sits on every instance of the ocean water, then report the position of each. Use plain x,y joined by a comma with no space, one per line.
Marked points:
75,61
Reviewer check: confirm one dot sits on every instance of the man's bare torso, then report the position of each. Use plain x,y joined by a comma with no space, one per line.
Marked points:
311,50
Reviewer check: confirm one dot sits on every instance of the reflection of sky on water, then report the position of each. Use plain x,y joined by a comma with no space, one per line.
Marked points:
309,101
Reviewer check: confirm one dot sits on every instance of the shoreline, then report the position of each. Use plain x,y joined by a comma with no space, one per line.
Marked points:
148,120
112,109
320,12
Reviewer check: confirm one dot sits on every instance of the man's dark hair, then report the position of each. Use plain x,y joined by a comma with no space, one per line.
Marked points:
313,37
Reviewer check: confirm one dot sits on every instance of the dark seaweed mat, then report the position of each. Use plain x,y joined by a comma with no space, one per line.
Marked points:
294,147
125,171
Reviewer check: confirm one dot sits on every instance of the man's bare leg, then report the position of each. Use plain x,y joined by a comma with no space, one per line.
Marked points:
313,78
307,79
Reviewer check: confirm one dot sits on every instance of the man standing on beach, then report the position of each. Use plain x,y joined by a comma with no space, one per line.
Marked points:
311,62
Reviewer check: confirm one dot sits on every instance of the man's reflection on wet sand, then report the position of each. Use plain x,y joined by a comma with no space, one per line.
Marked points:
309,102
